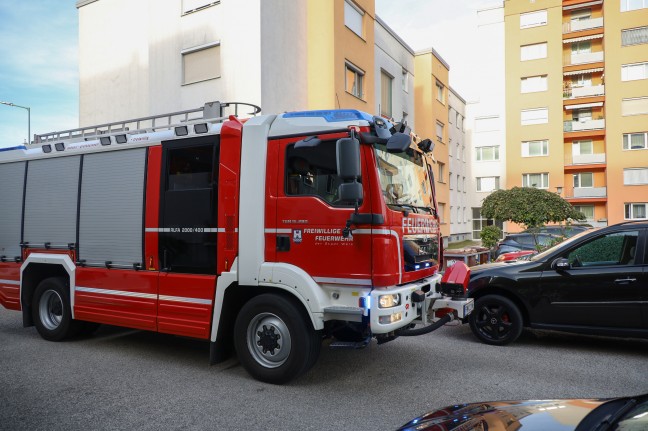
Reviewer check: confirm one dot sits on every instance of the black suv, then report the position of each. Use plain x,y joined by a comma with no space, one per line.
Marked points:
595,282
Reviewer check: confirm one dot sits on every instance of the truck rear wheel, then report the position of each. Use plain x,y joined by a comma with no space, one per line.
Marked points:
274,340
51,310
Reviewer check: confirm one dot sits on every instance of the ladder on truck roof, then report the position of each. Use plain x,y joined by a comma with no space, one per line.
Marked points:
212,112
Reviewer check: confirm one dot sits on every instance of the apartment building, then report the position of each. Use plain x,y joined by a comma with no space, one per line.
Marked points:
458,179
151,57
431,103
577,103
485,120
394,71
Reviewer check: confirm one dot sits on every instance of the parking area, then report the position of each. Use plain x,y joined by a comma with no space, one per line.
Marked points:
125,379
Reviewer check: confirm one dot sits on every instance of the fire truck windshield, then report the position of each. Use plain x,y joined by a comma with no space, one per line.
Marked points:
404,179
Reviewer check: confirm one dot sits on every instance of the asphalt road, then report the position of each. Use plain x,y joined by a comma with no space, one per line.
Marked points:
121,379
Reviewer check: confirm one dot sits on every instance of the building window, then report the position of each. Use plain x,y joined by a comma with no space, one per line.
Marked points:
635,141
533,19
635,176
627,5
535,116
488,184
440,92
539,181
439,131
458,183
634,106
487,124
636,211
634,36
582,80
451,113
535,148
633,72
189,6
441,213
487,154
463,184
201,63
479,223
582,147
354,80
584,180
581,47
353,17
533,84
386,94
533,52
441,178
405,81
587,210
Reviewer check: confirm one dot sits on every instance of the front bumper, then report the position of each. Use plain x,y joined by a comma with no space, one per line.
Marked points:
386,320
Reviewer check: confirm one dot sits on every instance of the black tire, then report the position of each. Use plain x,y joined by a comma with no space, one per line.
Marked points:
496,320
51,310
274,339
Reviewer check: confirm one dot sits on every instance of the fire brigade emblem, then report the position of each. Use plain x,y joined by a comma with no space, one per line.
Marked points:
297,236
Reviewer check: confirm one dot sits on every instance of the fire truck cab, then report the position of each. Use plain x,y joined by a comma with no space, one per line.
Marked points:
263,236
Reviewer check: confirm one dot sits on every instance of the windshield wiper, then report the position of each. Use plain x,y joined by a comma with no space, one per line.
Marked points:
610,420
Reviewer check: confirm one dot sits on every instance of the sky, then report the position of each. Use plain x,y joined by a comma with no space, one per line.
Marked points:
39,63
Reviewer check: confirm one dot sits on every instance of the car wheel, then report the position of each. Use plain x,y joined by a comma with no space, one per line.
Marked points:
496,320
274,340
51,310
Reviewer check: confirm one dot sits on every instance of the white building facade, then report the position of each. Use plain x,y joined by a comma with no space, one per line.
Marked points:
394,71
146,57
458,174
486,119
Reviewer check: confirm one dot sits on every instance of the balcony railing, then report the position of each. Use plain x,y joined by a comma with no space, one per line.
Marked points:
590,192
581,25
589,91
585,159
577,126
584,58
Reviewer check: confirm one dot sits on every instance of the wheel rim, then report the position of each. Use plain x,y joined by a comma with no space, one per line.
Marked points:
268,340
51,309
494,321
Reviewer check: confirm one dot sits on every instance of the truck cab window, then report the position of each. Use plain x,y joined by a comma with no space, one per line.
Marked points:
312,171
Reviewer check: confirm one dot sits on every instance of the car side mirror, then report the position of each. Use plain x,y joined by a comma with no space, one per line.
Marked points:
561,264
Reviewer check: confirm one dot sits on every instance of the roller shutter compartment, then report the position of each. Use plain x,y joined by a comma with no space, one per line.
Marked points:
12,183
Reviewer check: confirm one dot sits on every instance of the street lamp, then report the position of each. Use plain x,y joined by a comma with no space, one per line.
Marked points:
28,118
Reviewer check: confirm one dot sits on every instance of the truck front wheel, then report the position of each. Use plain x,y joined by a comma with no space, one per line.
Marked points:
274,340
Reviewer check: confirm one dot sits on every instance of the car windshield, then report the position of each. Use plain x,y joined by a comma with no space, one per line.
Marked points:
543,255
404,179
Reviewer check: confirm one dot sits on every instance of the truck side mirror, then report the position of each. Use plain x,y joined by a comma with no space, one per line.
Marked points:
398,143
350,192
348,158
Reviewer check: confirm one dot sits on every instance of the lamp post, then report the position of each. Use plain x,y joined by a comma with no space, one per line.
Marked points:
28,118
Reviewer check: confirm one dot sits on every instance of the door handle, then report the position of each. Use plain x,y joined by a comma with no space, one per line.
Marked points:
625,280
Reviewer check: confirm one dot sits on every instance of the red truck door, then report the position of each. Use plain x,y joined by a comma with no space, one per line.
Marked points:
310,217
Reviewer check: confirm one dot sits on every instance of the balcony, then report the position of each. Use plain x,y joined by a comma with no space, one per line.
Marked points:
583,58
579,126
590,192
585,24
585,159
589,91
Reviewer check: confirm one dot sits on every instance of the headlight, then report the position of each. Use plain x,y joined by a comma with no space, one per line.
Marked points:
389,301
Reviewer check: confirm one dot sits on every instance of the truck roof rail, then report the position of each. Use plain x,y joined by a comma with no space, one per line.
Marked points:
213,112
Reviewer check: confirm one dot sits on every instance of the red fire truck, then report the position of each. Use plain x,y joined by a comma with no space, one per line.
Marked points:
264,236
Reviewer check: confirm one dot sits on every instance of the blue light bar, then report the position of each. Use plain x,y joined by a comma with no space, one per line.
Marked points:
18,147
332,115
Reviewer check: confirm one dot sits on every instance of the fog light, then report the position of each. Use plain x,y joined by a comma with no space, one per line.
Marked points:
389,301
392,318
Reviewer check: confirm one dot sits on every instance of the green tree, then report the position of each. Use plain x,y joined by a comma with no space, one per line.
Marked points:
529,207
490,235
